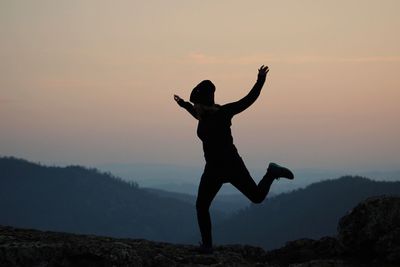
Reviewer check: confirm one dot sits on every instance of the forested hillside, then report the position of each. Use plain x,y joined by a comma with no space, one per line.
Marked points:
80,200
311,212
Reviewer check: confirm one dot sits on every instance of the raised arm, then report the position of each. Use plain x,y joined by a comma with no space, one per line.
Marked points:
238,106
186,105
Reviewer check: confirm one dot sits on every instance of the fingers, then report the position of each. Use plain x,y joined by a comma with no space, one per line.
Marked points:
263,70
177,98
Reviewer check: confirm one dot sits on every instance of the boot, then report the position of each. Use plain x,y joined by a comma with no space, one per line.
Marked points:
205,249
278,171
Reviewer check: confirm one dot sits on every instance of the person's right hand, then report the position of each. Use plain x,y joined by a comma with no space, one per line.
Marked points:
262,71
178,100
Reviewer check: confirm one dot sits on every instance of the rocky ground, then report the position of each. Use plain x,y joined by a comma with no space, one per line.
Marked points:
369,235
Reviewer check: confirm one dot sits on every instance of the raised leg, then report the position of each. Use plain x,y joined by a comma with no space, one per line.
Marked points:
241,179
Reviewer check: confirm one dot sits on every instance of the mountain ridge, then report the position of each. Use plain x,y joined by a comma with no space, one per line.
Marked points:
81,200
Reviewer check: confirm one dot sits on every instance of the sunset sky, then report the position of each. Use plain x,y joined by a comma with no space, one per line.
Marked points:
92,82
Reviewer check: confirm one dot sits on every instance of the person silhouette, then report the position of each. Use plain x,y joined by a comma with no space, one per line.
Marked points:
223,162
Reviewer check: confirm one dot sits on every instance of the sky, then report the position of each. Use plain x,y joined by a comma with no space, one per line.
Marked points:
92,82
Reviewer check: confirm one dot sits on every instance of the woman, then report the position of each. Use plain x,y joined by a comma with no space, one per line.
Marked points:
223,163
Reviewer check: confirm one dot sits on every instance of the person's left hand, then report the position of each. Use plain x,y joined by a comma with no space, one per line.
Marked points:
262,71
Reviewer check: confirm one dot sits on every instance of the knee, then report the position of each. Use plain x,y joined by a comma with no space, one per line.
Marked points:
257,199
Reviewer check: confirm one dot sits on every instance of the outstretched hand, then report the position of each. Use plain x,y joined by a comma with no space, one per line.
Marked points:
178,99
262,71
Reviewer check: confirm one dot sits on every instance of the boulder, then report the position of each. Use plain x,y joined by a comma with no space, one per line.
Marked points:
372,229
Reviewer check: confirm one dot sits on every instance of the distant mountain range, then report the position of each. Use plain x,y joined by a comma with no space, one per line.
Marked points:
185,179
223,204
81,200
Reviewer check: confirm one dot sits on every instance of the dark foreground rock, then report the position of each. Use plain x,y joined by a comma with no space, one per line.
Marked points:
368,236
22,247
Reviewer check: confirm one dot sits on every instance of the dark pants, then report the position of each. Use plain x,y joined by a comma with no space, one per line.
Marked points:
217,173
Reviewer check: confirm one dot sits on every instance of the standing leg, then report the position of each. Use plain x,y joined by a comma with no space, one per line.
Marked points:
208,188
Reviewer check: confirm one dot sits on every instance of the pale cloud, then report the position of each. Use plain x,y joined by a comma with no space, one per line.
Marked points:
4,101
202,58
89,83
372,59
324,59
